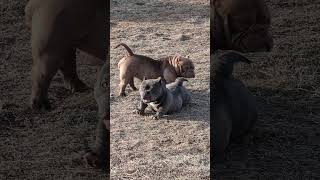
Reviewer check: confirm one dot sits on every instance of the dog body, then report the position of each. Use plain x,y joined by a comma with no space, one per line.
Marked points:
138,66
98,155
163,98
234,110
241,25
58,28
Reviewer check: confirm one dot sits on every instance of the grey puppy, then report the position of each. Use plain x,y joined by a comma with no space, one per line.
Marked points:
233,111
161,97
98,156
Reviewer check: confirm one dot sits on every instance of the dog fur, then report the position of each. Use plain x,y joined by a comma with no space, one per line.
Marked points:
98,156
233,110
242,25
161,97
138,66
58,28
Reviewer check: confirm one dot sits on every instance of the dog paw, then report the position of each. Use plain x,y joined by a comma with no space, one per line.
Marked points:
155,117
92,159
40,104
138,111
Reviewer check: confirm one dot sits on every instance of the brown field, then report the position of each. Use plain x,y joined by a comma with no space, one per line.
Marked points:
285,143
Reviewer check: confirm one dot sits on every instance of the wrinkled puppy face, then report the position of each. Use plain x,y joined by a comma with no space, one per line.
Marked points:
186,68
152,89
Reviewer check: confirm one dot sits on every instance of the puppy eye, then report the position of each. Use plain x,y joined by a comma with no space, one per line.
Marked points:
104,84
147,87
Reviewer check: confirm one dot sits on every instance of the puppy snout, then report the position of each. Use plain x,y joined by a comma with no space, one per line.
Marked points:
146,95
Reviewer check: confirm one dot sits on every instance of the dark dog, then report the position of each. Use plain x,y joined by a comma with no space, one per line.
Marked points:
98,156
233,107
58,27
140,66
241,25
161,97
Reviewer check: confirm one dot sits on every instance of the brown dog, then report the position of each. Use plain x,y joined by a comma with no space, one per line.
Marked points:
141,66
241,25
58,27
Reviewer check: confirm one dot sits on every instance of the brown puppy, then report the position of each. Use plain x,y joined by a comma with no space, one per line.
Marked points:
241,25
58,27
141,66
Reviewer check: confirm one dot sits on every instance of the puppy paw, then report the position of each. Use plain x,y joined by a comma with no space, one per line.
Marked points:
40,104
138,111
155,117
92,159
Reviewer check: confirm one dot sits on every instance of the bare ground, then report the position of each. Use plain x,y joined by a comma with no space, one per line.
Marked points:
286,141
177,146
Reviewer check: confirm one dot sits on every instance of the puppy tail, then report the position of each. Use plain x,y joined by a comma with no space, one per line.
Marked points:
225,62
180,81
130,53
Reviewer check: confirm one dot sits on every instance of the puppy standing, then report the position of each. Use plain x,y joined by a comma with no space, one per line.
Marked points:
233,106
164,99
140,66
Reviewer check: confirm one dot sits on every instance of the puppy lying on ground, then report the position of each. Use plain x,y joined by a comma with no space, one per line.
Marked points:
58,27
241,25
98,156
233,111
141,66
163,98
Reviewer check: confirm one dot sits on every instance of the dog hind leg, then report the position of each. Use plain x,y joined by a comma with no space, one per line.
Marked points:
43,70
69,71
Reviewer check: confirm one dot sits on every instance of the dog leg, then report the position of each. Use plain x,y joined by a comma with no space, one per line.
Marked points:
141,108
98,155
44,68
132,85
69,71
161,111
122,86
